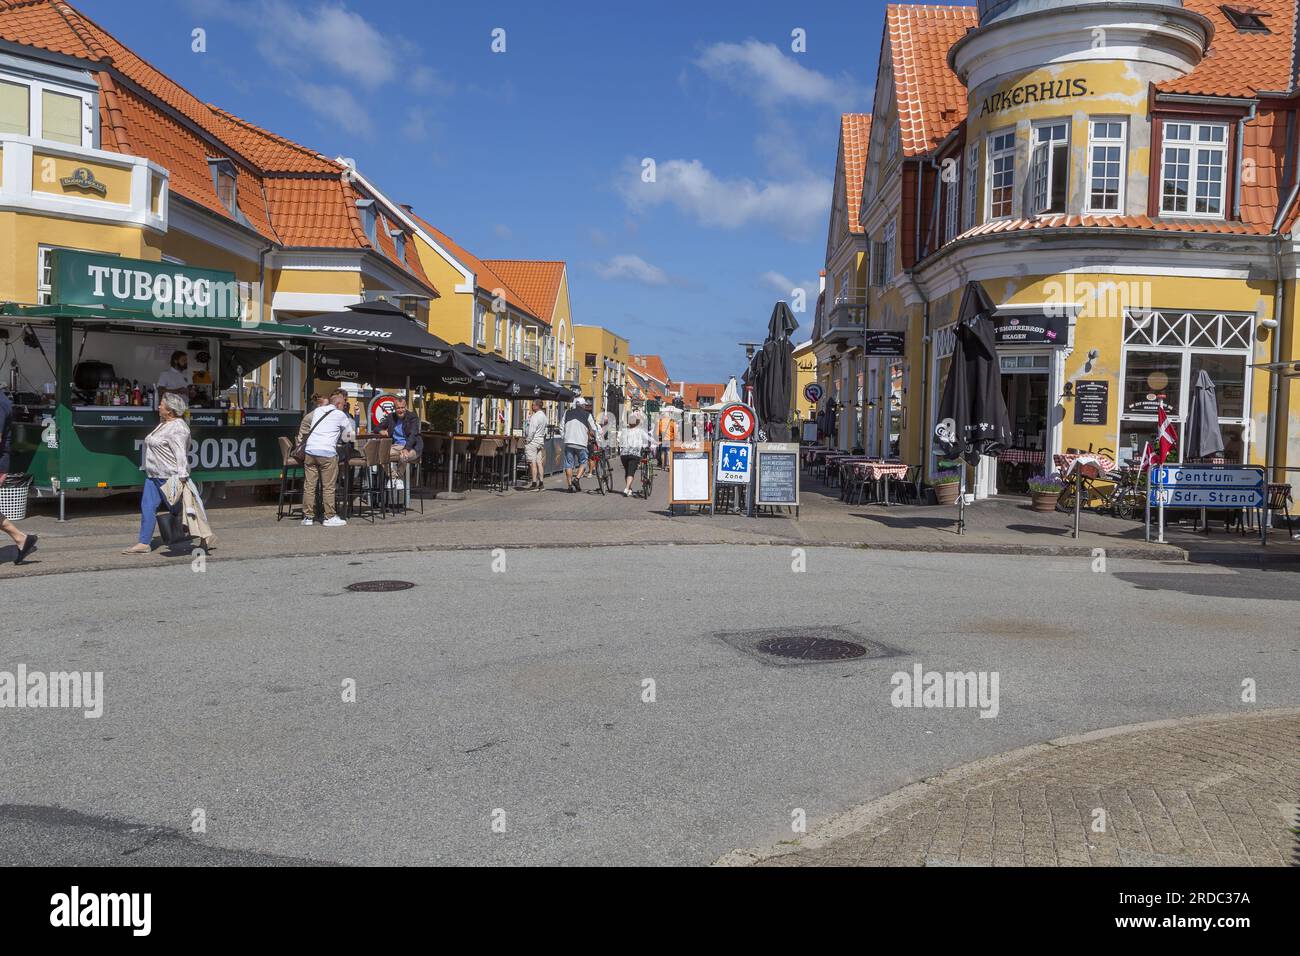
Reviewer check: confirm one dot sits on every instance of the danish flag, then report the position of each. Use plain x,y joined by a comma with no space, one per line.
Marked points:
1164,434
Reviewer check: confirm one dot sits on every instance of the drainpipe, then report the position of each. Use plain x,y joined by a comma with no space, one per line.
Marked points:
1275,385
1240,151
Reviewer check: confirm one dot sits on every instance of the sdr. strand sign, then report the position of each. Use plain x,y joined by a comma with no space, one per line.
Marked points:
1207,486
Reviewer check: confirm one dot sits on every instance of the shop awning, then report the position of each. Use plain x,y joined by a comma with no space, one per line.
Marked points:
92,316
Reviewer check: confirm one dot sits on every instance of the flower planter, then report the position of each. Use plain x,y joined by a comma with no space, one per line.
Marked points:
1043,500
946,494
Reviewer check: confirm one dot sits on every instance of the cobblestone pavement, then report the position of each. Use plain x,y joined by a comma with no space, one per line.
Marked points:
1207,791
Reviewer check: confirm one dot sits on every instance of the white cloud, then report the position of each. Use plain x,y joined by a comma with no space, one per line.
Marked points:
784,288
503,231
763,71
796,207
338,104
328,35
632,268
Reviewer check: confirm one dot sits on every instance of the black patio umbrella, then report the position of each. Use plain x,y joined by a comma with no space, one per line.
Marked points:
772,391
972,414
1204,439
972,417
379,323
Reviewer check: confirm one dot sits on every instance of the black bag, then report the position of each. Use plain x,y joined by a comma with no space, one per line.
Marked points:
172,529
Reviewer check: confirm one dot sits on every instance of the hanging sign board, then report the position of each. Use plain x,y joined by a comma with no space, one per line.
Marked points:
879,342
777,469
1091,399
690,475
734,458
736,422
1031,329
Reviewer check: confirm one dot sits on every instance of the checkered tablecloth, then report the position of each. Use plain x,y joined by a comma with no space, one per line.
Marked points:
1093,465
1022,456
875,470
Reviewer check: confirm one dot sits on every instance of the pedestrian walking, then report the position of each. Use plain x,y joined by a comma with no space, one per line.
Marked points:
166,457
330,425
535,446
579,428
26,543
632,443
667,431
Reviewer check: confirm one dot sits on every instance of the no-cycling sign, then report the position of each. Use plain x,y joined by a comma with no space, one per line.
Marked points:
736,422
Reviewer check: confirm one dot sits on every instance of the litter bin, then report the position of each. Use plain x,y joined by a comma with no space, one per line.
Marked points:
13,496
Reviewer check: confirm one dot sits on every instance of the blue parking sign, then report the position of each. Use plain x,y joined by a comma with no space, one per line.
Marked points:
734,462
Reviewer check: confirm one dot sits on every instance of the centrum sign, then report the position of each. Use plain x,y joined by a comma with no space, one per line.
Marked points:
1212,486
161,288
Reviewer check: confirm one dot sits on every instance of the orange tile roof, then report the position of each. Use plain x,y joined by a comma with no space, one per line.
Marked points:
1211,226
855,134
931,100
699,394
652,364
536,281
487,278
1242,63
145,113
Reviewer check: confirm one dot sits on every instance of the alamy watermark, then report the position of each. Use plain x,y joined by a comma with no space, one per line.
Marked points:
953,689
75,690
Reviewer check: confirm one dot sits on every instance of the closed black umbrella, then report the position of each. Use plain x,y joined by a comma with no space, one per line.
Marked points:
771,375
1204,438
972,415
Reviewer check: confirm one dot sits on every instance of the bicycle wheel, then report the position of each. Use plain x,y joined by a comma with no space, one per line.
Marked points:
1129,503
647,477
1065,500
602,474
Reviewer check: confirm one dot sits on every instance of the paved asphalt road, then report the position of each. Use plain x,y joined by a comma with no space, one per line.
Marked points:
521,690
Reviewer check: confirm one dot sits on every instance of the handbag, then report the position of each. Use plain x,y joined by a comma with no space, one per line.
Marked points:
299,451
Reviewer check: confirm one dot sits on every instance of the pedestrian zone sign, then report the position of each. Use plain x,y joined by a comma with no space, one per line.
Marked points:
734,459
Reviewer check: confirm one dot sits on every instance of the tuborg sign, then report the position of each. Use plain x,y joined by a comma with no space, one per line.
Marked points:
163,288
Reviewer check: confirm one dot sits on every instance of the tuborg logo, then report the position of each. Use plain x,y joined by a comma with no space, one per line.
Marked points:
364,333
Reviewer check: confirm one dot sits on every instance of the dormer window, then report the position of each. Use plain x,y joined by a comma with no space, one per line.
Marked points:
399,244
369,218
226,183
1246,19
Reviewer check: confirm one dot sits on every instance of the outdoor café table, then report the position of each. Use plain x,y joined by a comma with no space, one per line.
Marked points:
835,466
879,472
1094,466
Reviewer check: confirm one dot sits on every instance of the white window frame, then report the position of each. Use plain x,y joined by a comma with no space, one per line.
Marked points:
1196,147
1051,150
479,329
995,154
1107,141
972,185
952,200
36,109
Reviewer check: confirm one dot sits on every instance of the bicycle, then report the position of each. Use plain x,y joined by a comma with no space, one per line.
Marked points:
647,472
1121,492
600,469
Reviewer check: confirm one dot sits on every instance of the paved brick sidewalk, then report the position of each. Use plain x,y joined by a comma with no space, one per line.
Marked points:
1221,790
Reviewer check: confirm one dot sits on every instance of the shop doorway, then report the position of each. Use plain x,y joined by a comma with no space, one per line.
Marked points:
1025,381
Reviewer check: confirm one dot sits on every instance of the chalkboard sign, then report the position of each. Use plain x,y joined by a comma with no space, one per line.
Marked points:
778,474
1091,401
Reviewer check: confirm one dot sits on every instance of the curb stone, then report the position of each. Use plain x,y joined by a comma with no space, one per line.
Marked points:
860,817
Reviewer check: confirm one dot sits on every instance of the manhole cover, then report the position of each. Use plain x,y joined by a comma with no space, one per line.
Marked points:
381,586
795,646
811,648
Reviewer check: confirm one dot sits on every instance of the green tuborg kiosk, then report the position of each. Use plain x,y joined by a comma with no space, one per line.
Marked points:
82,373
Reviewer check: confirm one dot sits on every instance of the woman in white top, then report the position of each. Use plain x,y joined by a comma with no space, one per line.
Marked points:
632,442
166,455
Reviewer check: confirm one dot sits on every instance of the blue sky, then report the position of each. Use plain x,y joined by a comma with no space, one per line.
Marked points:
536,152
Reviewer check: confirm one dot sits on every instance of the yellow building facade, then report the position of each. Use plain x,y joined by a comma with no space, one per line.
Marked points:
600,363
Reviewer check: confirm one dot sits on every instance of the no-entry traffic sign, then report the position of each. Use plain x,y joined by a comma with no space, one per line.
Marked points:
737,422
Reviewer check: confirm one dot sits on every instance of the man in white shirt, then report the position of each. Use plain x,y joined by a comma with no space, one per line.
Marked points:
535,446
175,378
579,427
330,425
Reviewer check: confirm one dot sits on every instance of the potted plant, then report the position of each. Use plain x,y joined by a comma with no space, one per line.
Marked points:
946,485
1044,490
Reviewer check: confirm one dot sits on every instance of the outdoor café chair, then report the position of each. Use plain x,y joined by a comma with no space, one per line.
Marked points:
485,459
291,470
